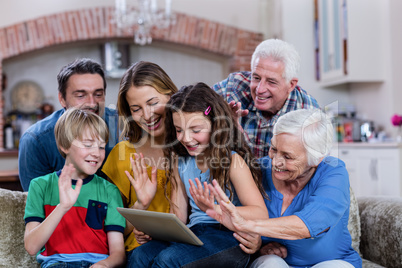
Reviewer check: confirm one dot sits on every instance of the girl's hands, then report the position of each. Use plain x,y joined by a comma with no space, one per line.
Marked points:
229,216
68,196
141,237
202,196
144,187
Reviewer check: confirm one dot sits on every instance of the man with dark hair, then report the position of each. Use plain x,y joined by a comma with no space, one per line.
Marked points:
81,84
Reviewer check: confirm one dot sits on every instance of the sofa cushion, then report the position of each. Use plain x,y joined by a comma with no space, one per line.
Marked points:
370,264
354,222
381,225
12,227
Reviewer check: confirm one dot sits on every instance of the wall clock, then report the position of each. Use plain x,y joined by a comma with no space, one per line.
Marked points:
27,96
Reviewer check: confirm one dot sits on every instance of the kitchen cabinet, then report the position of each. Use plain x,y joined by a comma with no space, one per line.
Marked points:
374,169
348,39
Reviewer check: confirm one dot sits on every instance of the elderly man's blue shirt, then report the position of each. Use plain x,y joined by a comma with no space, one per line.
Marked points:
323,205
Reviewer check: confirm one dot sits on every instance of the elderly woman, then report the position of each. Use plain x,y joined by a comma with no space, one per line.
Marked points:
308,201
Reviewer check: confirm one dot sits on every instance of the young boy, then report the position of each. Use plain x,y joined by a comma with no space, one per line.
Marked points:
71,214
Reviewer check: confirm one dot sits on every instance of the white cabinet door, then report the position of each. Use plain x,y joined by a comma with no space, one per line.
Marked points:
373,171
350,158
369,181
389,171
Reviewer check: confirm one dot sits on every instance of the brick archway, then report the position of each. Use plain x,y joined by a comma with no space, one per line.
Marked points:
94,24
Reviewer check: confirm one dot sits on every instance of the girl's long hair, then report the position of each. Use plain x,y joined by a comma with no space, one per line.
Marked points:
225,134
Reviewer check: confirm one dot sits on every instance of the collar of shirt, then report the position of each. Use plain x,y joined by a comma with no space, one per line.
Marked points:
287,106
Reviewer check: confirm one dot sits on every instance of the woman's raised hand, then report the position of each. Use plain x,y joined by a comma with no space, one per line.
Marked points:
202,196
144,186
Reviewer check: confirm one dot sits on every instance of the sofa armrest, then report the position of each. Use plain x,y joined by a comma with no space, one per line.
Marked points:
381,230
12,251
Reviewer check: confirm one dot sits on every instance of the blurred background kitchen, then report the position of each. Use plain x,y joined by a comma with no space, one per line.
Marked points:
350,51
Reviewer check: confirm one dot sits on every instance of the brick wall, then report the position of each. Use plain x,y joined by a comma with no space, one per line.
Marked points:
95,23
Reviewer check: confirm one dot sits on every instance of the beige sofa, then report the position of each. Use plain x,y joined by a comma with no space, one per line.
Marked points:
377,233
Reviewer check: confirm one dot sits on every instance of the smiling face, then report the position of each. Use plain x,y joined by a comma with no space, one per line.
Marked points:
268,87
86,154
289,159
85,91
147,107
193,130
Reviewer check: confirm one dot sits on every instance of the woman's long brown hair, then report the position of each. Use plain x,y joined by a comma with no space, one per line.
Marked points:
140,74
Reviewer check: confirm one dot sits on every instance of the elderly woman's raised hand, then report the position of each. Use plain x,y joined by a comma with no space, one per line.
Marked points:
144,187
229,217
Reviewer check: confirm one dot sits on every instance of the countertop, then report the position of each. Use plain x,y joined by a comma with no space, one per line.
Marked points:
392,144
8,153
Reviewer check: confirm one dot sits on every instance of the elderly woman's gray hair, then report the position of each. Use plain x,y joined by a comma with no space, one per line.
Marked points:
315,129
281,51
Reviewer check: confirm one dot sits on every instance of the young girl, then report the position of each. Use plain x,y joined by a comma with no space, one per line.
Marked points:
203,143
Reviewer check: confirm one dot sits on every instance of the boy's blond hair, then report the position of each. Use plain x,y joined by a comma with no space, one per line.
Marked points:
72,124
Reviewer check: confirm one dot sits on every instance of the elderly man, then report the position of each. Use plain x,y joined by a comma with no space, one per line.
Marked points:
81,84
269,91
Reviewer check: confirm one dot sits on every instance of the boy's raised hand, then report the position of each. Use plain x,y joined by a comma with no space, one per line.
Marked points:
68,196
203,198
144,187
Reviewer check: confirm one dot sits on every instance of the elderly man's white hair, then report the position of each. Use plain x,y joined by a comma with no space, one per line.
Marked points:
281,51
315,129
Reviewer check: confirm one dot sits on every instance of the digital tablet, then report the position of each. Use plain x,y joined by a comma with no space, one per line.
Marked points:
160,226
